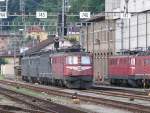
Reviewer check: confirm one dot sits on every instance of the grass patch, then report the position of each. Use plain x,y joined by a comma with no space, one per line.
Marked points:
2,77
26,91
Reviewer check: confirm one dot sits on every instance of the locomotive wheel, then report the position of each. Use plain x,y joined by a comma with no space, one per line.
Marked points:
28,79
42,80
124,83
139,83
53,82
66,84
45,81
49,82
60,83
23,78
112,81
132,83
147,83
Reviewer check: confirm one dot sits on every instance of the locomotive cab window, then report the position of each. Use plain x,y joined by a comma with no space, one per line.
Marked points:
146,62
72,60
51,61
132,61
85,60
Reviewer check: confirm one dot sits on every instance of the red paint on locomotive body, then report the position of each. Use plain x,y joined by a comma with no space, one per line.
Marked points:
142,67
75,66
78,70
78,65
129,68
121,66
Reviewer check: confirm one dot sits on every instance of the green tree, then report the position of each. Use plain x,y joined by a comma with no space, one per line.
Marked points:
3,61
94,6
52,7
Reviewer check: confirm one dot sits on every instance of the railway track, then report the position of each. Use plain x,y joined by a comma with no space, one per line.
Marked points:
122,89
14,109
82,95
119,94
37,104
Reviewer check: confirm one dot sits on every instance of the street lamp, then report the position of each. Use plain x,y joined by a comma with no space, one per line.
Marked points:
21,29
14,48
21,39
126,1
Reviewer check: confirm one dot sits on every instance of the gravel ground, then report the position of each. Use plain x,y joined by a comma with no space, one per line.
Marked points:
5,101
85,106
137,101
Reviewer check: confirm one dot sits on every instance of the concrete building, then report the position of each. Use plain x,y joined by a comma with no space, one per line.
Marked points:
73,33
37,33
133,5
4,43
133,32
8,69
5,39
97,37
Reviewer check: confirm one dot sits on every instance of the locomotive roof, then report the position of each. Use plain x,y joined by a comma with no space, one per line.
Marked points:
75,49
39,53
121,56
37,49
134,53
69,53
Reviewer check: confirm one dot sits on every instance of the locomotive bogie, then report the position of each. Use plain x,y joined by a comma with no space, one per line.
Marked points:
80,82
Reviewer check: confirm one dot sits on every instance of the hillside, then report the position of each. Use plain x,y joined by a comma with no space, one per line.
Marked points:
52,7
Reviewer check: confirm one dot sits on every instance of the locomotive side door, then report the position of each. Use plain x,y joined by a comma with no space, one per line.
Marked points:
50,66
139,66
146,66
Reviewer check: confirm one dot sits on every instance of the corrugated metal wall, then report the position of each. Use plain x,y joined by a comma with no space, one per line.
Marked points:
133,5
134,32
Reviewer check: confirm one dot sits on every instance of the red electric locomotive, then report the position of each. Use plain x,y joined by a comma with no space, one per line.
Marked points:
133,70
121,69
72,69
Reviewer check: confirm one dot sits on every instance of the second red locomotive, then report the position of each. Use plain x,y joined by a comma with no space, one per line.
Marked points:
133,70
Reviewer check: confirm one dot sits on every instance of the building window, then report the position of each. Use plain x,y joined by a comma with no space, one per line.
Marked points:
147,62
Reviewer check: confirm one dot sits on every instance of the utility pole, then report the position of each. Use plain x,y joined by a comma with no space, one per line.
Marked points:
63,18
22,10
3,8
126,1
13,46
6,6
122,45
122,24
23,29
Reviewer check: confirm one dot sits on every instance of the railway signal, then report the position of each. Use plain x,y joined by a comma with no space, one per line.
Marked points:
56,43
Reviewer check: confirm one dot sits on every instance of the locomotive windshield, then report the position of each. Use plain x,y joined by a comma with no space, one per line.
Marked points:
85,60
77,60
72,60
